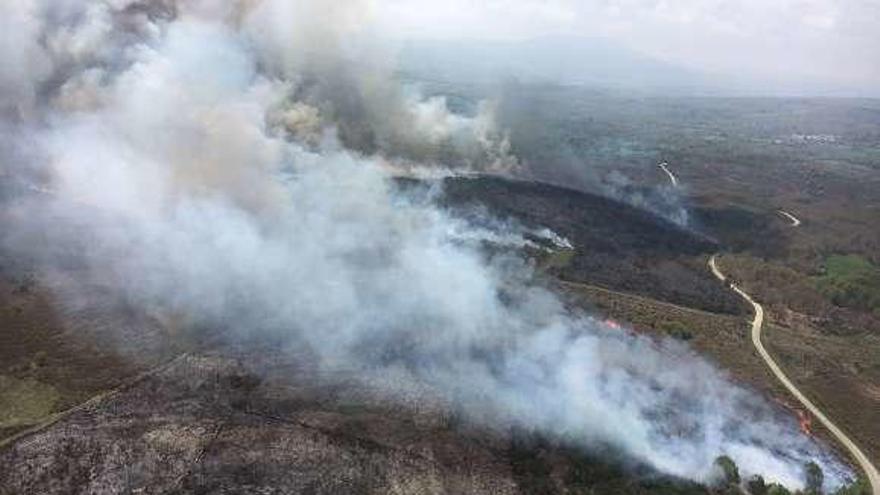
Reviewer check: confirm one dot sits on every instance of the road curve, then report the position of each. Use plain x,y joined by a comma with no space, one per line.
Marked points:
795,221
672,178
757,324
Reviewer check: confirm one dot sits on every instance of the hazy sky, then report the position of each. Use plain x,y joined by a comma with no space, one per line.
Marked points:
836,42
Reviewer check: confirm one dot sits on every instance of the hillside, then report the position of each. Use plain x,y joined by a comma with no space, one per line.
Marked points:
180,409
615,245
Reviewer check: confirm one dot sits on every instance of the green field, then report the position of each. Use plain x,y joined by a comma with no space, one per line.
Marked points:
851,281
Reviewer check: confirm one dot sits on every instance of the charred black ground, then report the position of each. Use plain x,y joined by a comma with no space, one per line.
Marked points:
615,245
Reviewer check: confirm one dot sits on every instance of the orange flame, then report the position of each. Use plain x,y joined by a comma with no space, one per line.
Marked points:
613,324
806,422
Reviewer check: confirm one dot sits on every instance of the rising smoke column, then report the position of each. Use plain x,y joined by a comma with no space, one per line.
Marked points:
199,147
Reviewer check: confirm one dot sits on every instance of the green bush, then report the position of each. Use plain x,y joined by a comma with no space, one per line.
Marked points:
860,487
777,489
756,485
728,467
676,330
814,478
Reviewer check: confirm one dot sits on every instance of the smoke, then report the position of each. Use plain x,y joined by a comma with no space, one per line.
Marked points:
230,161
341,76
664,201
582,148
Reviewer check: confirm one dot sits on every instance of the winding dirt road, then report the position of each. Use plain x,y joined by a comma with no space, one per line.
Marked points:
672,178
870,471
795,221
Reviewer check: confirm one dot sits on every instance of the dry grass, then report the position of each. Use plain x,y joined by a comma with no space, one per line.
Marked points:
24,402
823,366
840,373
52,359
831,353
722,339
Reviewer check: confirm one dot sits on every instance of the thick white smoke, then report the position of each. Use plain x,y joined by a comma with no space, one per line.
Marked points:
192,146
665,201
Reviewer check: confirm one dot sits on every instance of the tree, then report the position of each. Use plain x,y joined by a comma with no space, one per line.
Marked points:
860,487
756,485
814,478
728,469
777,489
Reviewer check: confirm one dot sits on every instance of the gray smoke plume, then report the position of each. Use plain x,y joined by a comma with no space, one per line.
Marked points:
227,160
550,148
664,201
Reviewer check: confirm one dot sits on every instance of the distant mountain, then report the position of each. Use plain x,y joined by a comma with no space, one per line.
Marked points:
559,59
598,63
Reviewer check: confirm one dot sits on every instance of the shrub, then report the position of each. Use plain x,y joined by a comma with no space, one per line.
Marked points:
777,489
756,485
860,487
814,478
729,469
